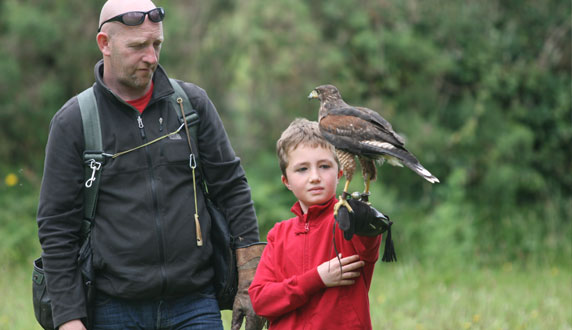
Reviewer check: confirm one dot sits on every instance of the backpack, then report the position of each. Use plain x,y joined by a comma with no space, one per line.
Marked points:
224,258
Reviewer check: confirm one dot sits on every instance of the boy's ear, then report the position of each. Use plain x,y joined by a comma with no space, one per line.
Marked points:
285,181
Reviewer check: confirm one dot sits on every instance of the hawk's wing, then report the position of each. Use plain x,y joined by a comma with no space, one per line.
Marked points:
377,127
361,137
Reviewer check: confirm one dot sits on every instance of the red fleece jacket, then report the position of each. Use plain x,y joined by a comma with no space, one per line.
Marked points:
287,288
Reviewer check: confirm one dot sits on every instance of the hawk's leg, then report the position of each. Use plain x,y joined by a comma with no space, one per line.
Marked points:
343,199
365,195
348,164
369,172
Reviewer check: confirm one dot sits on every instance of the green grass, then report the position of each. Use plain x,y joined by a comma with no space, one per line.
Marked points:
415,297
406,296
16,311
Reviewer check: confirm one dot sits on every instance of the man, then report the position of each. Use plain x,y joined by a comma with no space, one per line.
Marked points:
151,260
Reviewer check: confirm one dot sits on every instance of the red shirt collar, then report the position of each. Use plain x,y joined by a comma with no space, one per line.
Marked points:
141,103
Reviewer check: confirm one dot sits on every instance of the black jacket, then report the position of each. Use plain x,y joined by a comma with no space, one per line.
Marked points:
144,241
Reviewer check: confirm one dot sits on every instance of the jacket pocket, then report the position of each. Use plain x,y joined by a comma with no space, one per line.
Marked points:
175,149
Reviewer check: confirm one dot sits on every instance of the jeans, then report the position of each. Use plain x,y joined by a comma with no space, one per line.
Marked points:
196,311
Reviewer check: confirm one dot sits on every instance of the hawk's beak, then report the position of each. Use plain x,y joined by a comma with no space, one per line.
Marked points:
313,95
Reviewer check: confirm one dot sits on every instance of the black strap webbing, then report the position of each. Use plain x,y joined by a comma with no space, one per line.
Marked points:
190,114
93,153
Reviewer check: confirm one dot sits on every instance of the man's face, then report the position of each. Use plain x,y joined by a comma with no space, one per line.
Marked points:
134,53
312,175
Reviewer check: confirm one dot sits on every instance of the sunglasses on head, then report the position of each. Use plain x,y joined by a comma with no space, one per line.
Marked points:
133,18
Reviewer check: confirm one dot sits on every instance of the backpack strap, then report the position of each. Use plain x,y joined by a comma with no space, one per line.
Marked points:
93,154
192,117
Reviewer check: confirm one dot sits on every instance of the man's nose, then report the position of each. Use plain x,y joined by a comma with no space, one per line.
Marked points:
151,55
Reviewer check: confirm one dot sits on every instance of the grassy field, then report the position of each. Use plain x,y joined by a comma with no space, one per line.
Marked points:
412,297
405,296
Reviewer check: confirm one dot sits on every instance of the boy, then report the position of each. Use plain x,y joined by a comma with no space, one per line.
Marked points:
300,283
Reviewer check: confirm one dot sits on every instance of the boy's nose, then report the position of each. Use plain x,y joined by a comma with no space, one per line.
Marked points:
314,176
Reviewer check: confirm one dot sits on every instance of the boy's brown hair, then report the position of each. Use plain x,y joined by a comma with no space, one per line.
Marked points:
301,131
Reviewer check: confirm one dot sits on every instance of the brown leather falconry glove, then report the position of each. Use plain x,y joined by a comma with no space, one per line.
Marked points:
247,259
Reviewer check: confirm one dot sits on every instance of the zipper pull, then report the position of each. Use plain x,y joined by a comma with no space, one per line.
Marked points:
160,124
307,226
141,126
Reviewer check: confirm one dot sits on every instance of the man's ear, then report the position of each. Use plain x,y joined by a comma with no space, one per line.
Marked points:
103,43
285,182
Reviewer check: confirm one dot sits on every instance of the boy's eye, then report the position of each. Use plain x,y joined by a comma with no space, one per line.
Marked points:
301,169
326,166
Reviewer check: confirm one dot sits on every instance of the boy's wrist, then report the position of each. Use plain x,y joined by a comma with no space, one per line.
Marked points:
311,282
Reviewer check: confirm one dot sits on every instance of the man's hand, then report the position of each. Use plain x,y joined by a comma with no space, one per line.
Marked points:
246,261
242,309
72,325
332,274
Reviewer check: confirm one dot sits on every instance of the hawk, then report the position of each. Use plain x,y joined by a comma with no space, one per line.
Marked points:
362,132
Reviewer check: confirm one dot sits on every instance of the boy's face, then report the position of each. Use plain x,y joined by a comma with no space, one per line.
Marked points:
312,175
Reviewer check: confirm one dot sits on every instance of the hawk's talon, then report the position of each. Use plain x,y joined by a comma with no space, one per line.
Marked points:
340,203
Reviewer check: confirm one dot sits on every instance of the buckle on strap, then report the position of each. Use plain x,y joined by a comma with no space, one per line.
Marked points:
95,166
93,161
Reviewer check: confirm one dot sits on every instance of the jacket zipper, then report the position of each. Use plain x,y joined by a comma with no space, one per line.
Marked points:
155,205
306,262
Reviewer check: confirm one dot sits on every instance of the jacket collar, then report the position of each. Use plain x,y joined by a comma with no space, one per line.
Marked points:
315,212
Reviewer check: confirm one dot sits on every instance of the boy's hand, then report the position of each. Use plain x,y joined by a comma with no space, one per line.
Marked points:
332,275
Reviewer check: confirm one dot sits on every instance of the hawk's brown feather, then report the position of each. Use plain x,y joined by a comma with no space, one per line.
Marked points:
362,132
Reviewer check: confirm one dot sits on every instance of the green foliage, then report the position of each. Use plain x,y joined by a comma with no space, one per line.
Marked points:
47,47
18,229
481,90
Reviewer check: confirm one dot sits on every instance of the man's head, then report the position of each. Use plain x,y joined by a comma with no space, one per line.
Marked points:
130,50
309,165
130,18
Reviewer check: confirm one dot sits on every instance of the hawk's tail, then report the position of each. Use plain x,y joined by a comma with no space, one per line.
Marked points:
422,171
396,156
